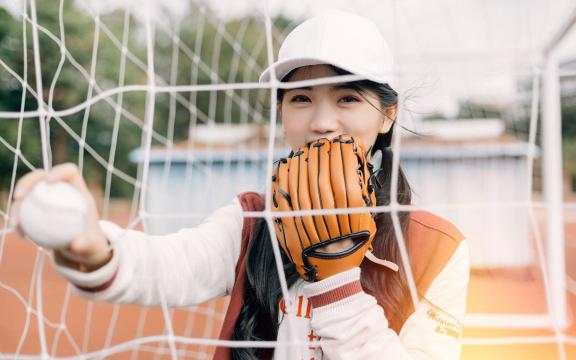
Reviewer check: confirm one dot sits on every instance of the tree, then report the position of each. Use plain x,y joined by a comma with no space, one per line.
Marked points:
569,141
470,109
71,87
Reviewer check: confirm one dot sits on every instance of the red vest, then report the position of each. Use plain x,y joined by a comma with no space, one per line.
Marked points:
430,242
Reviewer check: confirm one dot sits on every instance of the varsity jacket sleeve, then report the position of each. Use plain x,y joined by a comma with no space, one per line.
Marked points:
351,325
187,267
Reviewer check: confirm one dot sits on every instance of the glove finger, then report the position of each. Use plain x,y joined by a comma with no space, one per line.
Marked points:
364,197
339,181
323,185
363,166
368,195
278,225
314,175
285,226
305,203
355,185
294,190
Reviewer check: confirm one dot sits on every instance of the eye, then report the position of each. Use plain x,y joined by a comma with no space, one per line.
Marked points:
348,99
299,98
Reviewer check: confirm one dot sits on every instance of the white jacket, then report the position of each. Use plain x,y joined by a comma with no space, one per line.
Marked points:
198,264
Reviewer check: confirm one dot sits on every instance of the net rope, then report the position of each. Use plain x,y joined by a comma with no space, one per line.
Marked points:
172,344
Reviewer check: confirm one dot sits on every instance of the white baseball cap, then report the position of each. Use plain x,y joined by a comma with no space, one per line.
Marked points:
345,40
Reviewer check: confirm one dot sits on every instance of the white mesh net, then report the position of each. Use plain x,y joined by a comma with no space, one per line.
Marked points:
159,105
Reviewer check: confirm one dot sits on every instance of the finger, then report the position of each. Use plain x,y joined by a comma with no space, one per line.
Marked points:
85,249
70,254
14,219
27,183
68,172
80,246
91,247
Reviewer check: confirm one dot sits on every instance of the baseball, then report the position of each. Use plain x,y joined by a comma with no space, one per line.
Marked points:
53,214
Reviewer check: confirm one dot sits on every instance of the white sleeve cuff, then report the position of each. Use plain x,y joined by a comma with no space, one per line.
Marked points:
335,290
96,278
332,282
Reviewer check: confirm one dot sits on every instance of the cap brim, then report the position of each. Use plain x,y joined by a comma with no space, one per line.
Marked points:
283,67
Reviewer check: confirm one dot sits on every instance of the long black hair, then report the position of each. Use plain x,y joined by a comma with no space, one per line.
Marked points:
258,319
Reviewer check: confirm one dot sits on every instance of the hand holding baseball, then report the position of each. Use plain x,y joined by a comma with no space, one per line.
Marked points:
56,211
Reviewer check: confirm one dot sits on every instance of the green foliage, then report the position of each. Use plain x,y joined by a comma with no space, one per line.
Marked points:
434,116
569,141
473,110
201,49
569,121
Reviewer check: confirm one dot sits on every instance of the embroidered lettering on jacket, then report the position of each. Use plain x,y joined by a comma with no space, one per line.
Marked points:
303,310
444,326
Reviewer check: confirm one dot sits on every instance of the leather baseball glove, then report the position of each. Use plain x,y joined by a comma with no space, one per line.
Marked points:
327,174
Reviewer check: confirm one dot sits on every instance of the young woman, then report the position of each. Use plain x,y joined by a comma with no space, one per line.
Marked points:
364,312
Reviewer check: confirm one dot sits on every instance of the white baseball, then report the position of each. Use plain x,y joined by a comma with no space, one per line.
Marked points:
53,214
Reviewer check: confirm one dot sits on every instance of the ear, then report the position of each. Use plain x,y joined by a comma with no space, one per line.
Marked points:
388,119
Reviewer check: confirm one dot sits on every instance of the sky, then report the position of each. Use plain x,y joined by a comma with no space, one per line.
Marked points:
444,49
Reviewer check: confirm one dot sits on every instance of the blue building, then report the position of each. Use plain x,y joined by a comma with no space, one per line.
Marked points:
470,173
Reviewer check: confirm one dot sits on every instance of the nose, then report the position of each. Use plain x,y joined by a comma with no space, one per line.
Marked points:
325,121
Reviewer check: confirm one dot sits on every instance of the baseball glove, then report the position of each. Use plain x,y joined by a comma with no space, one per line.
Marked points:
324,175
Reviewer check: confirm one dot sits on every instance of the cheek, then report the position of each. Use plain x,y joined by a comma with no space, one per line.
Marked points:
295,130
366,127
369,139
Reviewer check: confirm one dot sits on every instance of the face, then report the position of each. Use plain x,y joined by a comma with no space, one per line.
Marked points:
326,111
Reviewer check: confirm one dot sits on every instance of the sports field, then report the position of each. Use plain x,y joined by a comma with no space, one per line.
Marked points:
92,327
